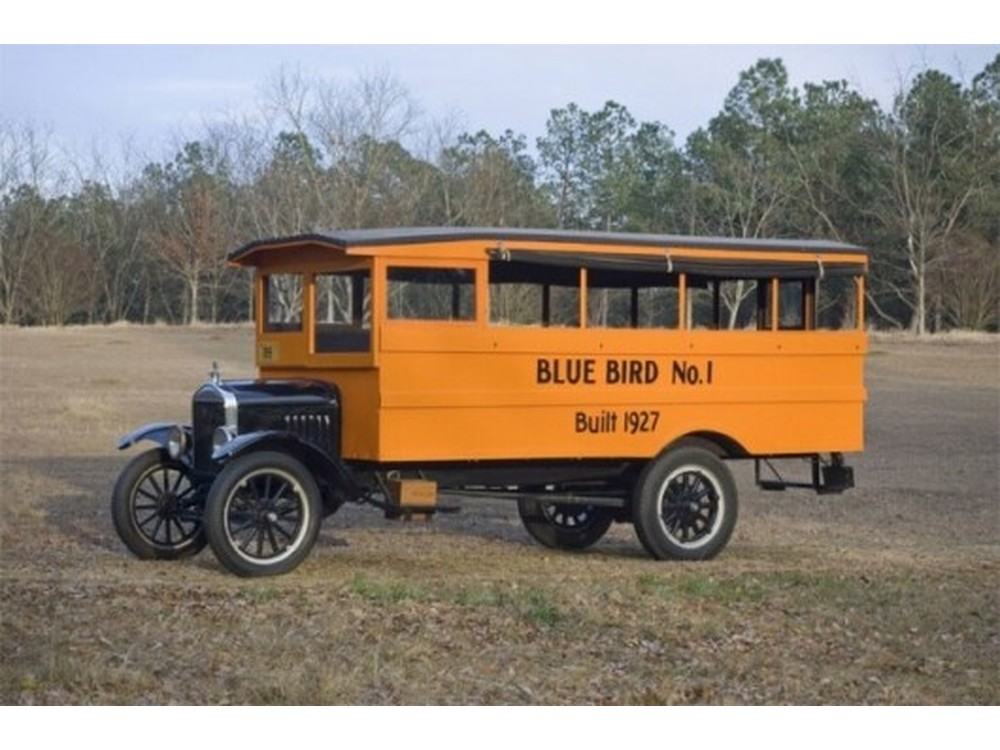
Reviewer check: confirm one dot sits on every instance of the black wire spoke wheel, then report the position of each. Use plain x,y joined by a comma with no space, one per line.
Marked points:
266,514
157,510
691,505
263,514
564,525
685,505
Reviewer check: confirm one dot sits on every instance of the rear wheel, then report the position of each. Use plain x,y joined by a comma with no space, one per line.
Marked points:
685,505
262,515
156,509
563,525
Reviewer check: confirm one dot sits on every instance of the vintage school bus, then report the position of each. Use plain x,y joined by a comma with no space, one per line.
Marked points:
590,377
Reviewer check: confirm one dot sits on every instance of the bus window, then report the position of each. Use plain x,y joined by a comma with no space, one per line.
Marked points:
432,293
743,305
343,312
700,303
727,304
283,302
527,294
792,304
619,299
836,303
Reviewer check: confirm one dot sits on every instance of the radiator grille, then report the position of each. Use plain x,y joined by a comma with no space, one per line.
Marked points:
207,416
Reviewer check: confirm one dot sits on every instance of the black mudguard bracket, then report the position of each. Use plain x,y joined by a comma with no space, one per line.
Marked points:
828,477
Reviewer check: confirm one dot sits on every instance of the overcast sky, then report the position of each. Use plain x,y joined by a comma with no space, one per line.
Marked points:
155,93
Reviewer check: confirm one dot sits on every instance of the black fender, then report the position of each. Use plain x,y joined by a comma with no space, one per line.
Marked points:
156,432
319,462
722,446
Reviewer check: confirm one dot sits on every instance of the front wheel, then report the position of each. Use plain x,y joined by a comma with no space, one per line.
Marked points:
157,509
262,515
563,525
685,505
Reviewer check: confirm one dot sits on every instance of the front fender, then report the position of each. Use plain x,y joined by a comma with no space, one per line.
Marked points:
156,432
250,441
316,460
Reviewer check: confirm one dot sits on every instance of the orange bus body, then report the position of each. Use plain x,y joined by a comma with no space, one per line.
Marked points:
477,390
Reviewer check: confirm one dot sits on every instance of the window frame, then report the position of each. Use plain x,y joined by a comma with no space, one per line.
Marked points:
385,271
265,324
361,276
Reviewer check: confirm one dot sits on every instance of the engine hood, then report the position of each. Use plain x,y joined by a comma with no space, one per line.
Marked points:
268,392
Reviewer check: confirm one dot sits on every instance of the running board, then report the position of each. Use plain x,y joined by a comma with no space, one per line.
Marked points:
543,497
416,498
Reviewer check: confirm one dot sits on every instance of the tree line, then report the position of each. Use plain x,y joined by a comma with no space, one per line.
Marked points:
146,240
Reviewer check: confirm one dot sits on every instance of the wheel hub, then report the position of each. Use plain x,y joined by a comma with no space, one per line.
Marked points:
260,517
166,504
262,513
688,501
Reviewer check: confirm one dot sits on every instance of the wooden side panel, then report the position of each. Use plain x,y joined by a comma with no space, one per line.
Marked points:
592,394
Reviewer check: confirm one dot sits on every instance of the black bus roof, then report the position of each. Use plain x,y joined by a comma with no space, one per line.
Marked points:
347,238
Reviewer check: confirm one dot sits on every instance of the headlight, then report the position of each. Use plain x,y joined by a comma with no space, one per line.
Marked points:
221,436
176,442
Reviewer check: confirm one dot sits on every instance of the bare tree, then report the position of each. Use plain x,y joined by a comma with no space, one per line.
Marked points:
930,178
362,129
491,182
968,284
188,200
741,165
27,174
105,221
292,187
60,276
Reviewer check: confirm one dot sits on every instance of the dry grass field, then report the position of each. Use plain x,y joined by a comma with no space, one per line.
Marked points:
885,595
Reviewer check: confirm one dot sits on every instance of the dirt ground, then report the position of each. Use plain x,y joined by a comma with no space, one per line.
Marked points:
887,594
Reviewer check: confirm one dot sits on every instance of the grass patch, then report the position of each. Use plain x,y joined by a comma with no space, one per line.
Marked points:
531,604
825,587
491,596
536,605
263,594
386,591
728,591
650,584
